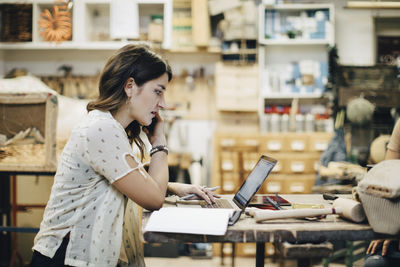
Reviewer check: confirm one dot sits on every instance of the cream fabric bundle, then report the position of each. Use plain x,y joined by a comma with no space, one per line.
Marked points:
379,191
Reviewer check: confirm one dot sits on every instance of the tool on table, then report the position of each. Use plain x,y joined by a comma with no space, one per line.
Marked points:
273,203
307,206
346,208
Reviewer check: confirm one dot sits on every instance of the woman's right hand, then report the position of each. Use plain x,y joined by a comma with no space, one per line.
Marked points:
156,135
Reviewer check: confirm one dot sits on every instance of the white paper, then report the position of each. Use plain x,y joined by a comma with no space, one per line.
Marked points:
189,221
124,19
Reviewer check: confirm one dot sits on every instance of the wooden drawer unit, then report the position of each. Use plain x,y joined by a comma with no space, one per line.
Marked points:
289,184
291,163
236,87
298,155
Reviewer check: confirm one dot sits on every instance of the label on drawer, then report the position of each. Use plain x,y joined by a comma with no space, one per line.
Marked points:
227,142
274,145
249,249
228,186
249,165
316,165
297,167
297,145
277,168
251,142
321,146
273,187
297,188
227,166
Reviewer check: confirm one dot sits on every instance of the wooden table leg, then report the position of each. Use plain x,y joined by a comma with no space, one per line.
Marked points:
260,254
304,262
5,219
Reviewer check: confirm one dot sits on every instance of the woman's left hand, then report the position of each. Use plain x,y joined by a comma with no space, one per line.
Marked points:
373,246
185,189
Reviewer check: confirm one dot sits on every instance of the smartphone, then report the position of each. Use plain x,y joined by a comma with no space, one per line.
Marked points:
152,125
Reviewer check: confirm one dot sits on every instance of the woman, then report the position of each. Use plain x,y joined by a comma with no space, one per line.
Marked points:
83,220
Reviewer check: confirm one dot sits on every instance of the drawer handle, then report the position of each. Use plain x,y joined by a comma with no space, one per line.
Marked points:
297,188
321,146
277,168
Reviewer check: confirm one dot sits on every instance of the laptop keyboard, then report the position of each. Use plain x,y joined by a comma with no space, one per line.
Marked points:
219,204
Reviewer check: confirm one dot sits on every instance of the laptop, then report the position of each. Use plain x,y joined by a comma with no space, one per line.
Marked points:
249,187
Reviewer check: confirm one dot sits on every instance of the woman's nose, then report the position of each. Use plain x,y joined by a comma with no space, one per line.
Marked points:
162,103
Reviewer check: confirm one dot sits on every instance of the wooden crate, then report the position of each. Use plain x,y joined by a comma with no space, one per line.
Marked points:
19,112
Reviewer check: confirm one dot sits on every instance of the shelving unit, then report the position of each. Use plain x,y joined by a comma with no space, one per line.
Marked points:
293,54
296,24
91,25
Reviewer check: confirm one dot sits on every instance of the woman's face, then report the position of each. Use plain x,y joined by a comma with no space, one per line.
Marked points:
148,99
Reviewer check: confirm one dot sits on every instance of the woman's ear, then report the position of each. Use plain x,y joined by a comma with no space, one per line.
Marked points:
130,85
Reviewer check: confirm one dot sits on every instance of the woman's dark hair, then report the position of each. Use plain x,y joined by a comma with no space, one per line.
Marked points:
138,62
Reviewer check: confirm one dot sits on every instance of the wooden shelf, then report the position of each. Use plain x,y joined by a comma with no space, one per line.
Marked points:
294,42
83,25
71,45
293,95
240,52
285,8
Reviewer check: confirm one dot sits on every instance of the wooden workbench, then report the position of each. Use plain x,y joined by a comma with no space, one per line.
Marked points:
331,228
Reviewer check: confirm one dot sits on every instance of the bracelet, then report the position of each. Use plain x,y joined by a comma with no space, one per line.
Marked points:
158,148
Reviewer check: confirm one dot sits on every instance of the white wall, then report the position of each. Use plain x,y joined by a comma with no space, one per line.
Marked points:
355,33
355,37
47,62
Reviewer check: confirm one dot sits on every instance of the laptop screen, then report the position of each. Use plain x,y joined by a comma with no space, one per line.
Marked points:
255,179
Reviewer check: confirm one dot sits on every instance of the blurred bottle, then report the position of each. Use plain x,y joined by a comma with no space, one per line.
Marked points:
309,122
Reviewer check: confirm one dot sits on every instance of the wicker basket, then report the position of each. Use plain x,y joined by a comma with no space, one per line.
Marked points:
16,22
380,195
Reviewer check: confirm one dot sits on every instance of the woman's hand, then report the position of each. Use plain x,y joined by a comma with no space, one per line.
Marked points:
374,245
185,189
155,133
